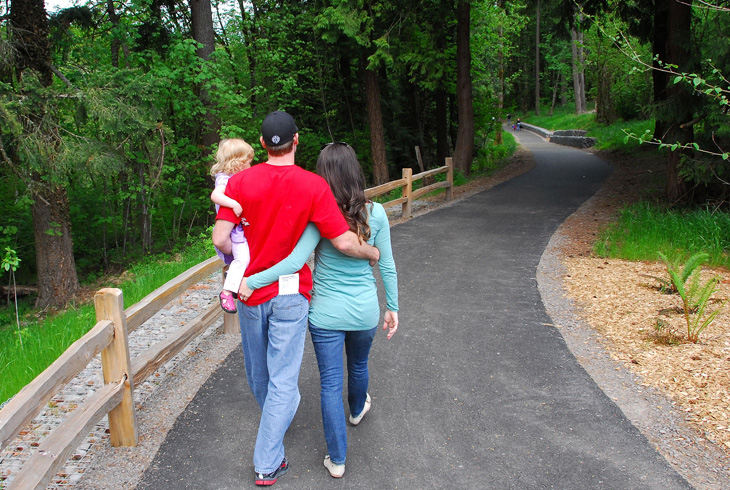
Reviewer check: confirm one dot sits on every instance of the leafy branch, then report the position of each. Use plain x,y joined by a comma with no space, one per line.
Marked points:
648,138
717,90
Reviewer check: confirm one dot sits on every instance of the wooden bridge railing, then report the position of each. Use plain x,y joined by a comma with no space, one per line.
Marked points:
110,338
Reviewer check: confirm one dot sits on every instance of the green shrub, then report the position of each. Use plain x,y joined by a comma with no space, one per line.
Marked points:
631,96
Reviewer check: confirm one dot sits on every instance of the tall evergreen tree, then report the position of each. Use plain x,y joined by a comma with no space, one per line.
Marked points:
36,149
201,17
464,150
667,24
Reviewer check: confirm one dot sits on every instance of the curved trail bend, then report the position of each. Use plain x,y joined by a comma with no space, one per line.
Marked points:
477,389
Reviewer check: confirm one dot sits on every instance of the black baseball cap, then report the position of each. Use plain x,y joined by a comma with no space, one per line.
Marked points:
278,128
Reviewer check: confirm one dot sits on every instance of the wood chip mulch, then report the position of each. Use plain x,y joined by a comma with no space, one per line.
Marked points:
642,327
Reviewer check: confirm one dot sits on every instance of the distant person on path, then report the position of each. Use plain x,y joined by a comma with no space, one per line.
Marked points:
518,125
509,119
279,199
233,156
344,311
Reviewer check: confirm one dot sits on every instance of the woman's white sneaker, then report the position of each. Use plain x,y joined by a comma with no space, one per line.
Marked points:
365,409
336,470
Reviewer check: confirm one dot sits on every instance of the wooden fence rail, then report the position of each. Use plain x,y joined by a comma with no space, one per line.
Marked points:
109,337
408,195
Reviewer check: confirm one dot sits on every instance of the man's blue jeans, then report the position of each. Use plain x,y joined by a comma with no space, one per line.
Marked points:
273,336
328,345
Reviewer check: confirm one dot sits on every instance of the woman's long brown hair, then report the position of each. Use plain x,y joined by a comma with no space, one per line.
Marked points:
338,165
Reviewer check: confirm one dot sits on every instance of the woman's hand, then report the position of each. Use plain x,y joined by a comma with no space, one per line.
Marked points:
390,322
244,292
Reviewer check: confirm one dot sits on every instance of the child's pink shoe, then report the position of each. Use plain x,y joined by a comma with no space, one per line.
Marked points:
228,302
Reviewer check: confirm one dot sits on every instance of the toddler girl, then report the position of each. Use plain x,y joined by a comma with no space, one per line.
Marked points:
233,156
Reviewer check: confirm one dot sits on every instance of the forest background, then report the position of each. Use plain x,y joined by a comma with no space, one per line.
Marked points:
110,111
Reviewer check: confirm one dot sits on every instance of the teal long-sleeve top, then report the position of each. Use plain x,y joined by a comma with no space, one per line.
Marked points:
345,295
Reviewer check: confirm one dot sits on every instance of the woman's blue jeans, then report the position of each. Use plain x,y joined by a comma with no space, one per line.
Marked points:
329,346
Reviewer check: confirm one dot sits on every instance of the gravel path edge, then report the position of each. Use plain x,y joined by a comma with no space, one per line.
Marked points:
121,468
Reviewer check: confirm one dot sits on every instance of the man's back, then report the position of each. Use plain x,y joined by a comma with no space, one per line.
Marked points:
278,202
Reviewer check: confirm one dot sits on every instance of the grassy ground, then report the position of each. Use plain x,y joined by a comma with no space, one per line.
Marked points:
488,160
645,229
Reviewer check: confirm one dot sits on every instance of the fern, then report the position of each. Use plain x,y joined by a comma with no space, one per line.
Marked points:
694,293
689,268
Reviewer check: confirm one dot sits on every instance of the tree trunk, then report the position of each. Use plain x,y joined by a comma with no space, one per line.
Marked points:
442,108
578,79
498,139
29,22
57,279
537,60
464,149
201,16
56,268
659,48
249,41
419,121
605,113
556,85
679,31
116,43
377,133
581,70
442,126
145,218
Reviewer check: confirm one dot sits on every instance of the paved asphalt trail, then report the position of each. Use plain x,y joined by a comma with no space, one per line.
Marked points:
477,389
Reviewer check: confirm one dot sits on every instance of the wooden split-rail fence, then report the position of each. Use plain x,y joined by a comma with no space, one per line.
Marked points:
110,338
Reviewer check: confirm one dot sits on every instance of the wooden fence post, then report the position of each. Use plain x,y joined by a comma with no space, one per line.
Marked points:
450,178
407,192
230,320
116,364
419,158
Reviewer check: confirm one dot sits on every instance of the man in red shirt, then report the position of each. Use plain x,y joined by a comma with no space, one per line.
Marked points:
278,200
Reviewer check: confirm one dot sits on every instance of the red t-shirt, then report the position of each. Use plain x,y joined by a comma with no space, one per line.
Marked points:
278,202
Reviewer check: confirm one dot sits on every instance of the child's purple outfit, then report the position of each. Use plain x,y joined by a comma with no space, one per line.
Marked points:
241,255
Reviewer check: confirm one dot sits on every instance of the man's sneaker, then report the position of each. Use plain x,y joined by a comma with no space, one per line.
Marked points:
365,409
228,302
336,470
268,479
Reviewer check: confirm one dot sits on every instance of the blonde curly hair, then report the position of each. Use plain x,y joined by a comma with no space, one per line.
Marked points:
233,155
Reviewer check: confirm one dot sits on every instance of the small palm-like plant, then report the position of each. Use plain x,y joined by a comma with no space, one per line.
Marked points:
695,294
10,264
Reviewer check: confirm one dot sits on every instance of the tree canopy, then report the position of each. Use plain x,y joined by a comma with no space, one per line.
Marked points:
109,111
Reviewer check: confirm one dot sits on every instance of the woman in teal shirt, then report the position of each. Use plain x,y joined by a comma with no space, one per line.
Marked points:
344,311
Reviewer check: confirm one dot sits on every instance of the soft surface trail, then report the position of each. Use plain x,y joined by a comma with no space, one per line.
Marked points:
477,389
